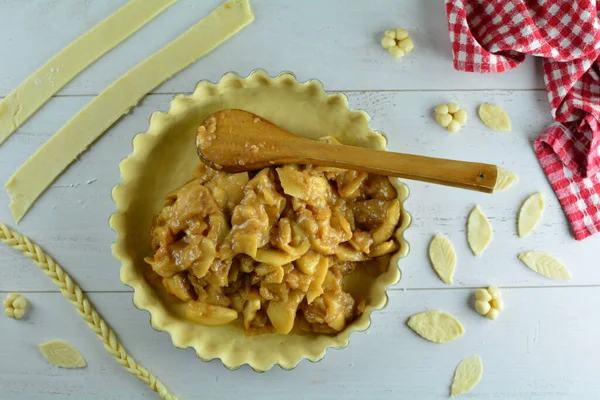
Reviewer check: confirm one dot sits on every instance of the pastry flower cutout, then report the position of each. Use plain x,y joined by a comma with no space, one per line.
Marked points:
489,302
15,305
450,116
397,42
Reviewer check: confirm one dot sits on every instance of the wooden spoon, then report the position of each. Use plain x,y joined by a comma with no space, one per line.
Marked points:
237,140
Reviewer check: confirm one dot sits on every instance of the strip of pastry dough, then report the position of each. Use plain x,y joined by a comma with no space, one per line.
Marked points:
30,181
36,90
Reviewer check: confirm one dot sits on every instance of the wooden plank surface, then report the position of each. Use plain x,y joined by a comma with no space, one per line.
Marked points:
543,345
534,350
337,42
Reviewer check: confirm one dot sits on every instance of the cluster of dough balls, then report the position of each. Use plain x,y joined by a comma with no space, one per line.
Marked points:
450,116
15,305
397,42
488,302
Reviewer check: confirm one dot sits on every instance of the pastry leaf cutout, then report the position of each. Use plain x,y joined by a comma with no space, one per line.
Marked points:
62,354
443,258
545,265
494,117
505,179
436,326
530,214
479,231
467,375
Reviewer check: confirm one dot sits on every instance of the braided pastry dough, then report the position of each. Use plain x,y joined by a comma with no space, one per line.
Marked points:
75,295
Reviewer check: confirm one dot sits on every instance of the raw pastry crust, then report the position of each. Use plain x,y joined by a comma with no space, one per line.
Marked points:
36,90
32,179
494,117
545,265
164,158
479,231
436,326
443,258
505,180
467,375
530,214
62,354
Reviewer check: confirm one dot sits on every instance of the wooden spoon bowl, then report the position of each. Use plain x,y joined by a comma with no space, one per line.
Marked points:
237,141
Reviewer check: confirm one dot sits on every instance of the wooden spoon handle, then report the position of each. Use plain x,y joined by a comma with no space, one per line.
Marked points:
462,174
237,140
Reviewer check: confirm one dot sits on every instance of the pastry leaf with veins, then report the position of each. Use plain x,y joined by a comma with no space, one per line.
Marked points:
530,214
443,258
505,179
467,375
436,326
545,265
479,231
62,354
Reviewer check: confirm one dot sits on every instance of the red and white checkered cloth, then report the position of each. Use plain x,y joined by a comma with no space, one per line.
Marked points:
496,35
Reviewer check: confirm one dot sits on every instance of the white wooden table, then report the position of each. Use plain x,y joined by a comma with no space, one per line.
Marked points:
544,345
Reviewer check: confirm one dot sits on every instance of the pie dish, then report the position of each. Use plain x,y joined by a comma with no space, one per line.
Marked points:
163,159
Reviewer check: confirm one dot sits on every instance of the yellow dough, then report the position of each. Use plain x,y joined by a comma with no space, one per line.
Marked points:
30,181
494,117
442,257
15,305
436,326
505,180
530,214
545,265
72,292
450,116
479,231
489,302
467,375
62,354
164,158
36,90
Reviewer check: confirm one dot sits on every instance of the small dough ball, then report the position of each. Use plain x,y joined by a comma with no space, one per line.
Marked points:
483,294
388,42
482,307
452,108
441,109
401,33
497,303
396,52
460,116
492,314
406,45
444,119
454,126
19,303
494,292
391,33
